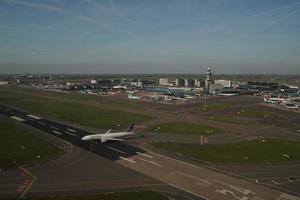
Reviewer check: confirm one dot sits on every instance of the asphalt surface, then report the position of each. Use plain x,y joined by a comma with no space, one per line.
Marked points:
183,180
110,150
88,169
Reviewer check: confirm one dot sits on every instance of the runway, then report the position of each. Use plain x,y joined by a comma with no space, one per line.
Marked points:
94,170
110,150
194,182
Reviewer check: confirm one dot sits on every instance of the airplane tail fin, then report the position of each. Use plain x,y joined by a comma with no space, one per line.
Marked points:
130,128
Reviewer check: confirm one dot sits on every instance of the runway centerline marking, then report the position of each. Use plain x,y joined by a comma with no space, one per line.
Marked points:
54,127
71,130
18,118
187,191
71,133
117,150
33,116
56,132
143,154
127,159
151,162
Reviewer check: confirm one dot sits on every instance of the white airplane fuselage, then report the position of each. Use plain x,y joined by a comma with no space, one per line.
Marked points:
106,137
134,97
103,137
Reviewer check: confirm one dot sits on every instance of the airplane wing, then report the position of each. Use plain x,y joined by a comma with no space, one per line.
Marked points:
113,139
108,131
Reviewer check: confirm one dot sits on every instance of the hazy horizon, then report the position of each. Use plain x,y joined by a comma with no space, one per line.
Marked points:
141,37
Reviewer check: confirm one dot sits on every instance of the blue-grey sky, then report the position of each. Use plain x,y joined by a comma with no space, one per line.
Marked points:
149,36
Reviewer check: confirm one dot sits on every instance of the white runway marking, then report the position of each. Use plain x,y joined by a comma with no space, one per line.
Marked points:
34,117
54,127
117,150
151,162
143,154
71,130
127,159
56,132
274,182
284,196
70,133
187,191
18,118
202,181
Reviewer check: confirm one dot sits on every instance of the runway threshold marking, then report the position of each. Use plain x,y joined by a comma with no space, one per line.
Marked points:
143,154
187,191
117,150
149,161
71,130
56,132
284,196
71,133
34,117
18,118
127,159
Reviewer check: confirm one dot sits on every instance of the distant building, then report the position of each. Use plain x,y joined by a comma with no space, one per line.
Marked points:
225,83
163,81
105,83
262,86
215,88
179,82
186,82
93,81
136,84
191,82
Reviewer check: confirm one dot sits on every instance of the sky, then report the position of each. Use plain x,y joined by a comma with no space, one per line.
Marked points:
150,36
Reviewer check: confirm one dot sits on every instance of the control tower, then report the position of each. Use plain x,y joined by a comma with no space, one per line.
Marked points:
208,75
208,80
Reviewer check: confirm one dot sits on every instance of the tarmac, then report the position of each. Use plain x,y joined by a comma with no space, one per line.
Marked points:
114,165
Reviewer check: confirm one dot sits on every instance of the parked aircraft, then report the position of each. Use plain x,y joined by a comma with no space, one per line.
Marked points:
104,137
273,100
130,96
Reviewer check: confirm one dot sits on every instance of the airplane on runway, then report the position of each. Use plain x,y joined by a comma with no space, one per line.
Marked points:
104,137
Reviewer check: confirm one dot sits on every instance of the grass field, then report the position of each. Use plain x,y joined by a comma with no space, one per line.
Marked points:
185,128
229,120
84,115
96,116
256,151
142,195
19,94
254,112
214,106
19,147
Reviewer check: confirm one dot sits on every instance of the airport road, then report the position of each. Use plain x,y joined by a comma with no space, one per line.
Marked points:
195,180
